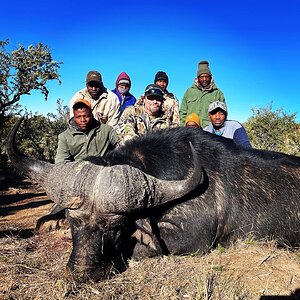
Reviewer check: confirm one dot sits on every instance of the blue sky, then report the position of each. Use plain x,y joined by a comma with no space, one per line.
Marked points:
253,46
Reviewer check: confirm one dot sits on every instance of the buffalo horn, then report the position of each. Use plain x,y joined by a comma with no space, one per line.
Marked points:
36,170
123,188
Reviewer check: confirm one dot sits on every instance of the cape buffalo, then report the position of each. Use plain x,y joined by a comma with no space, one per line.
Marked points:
185,198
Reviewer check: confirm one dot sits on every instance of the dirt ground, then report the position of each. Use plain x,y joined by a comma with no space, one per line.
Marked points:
32,266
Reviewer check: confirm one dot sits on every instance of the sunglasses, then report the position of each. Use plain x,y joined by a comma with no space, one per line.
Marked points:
153,91
154,97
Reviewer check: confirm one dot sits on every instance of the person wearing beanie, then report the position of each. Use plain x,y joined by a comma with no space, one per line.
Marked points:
192,120
170,104
123,85
85,136
144,116
105,104
219,125
198,97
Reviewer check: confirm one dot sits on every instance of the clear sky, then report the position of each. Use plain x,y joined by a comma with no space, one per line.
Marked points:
253,47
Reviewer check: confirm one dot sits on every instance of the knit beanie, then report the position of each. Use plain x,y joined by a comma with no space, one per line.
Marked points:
123,78
192,118
203,68
160,75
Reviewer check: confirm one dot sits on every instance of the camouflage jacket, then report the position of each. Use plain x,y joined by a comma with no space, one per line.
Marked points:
170,107
135,121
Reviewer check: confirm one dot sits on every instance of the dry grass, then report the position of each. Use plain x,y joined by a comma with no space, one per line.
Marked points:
33,267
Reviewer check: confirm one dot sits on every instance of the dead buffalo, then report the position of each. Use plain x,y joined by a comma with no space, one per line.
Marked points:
157,194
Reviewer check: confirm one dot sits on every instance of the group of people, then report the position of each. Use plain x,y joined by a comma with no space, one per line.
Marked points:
101,119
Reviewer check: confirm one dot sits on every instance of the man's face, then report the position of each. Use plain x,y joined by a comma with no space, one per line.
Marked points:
83,118
204,80
153,105
94,89
192,124
162,83
123,88
217,117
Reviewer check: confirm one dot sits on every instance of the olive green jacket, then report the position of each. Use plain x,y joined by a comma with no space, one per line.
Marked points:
74,144
197,101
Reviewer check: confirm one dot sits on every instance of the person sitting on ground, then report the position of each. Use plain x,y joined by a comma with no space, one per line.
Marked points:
192,120
219,125
85,136
104,103
123,85
143,117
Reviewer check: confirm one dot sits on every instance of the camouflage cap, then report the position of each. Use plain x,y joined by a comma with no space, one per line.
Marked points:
217,104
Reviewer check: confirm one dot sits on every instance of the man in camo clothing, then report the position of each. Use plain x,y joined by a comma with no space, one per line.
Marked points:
143,117
170,104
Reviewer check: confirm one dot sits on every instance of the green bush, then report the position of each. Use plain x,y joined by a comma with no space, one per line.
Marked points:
274,130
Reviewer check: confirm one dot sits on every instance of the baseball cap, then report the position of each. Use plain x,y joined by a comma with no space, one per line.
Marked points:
84,101
217,104
93,76
154,90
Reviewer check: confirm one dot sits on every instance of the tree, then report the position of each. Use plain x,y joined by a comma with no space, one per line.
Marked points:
274,130
23,70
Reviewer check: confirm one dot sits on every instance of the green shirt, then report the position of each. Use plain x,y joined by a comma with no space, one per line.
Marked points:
74,144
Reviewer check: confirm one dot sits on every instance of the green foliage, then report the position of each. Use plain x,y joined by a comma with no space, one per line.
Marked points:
274,130
218,268
220,248
23,70
37,136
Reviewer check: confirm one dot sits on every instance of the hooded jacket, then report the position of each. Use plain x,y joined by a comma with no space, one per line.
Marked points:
197,101
127,99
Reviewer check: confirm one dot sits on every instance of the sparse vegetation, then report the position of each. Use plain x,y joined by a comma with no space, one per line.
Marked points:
274,130
33,266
